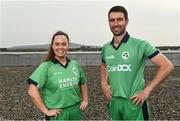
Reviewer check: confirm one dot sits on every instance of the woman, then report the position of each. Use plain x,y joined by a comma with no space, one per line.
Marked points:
60,82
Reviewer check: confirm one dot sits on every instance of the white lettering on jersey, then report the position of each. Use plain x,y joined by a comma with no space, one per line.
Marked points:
68,82
110,57
123,67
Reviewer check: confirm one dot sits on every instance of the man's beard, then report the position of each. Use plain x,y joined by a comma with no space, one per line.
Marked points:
119,33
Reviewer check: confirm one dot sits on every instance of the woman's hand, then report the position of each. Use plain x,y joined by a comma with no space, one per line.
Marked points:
53,112
83,105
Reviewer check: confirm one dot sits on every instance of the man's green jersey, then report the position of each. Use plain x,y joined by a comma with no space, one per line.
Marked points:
59,84
125,65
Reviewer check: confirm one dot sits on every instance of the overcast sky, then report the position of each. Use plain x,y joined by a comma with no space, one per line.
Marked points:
32,22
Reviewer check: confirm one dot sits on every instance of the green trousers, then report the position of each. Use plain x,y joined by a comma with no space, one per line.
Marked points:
69,113
122,109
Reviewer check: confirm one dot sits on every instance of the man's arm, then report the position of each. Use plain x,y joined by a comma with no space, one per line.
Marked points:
104,81
165,67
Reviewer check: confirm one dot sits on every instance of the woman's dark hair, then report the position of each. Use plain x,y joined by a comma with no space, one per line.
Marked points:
51,53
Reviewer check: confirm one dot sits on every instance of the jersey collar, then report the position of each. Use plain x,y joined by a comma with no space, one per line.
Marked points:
124,40
55,61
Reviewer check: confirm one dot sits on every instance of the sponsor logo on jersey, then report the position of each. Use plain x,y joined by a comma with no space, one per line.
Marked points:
56,73
68,82
116,68
110,57
125,55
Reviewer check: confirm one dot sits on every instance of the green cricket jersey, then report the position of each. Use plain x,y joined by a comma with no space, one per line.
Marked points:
125,65
59,84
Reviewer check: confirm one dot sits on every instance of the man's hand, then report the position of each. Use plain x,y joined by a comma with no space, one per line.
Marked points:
106,90
140,97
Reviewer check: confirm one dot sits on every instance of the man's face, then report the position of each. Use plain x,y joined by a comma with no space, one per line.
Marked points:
117,23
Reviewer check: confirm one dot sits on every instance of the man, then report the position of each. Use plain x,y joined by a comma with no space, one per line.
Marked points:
122,69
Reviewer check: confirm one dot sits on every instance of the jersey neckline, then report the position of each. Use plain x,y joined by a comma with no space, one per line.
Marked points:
124,40
55,61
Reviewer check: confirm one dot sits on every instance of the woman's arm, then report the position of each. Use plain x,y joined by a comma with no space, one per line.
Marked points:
84,95
36,98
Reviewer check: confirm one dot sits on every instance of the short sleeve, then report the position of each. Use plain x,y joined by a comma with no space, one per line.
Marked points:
149,50
102,55
82,75
39,76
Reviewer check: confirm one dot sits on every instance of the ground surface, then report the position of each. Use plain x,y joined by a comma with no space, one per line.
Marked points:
15,103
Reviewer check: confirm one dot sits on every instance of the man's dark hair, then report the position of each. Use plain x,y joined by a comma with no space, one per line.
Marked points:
119,9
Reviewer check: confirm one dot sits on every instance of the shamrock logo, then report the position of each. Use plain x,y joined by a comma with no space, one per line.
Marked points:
125,55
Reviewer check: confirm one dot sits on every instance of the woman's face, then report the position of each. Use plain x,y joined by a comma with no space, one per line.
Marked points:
60,45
